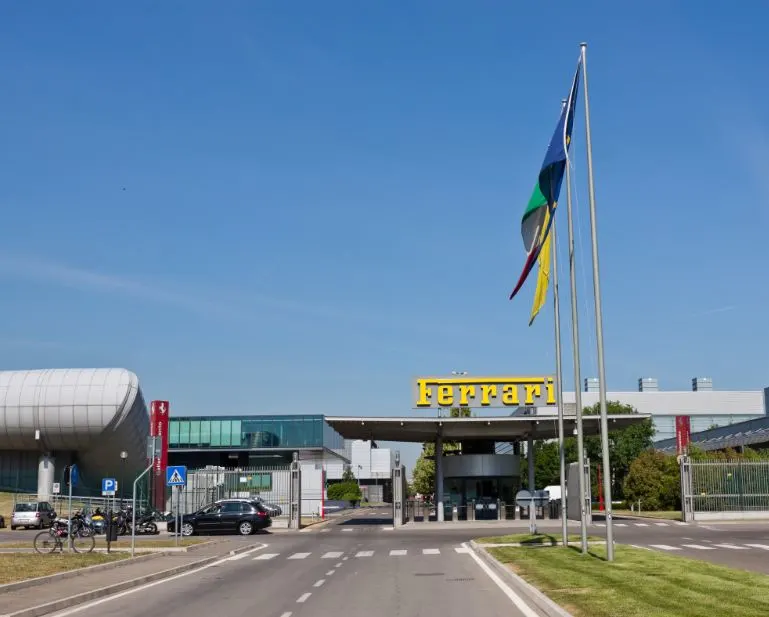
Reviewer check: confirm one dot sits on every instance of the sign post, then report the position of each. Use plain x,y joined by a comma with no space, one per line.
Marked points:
683,434
531,500
176,476
159,411
72,478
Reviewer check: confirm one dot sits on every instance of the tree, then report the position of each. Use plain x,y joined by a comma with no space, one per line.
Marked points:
654,478
348,475
424,469
345,491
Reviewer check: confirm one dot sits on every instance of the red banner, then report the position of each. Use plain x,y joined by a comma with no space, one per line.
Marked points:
159,428
683,434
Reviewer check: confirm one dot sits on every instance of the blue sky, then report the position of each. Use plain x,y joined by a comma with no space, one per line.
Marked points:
298,207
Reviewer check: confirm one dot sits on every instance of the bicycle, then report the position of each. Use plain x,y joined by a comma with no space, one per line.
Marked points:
53,539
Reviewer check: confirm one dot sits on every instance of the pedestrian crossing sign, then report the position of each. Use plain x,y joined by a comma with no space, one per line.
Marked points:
176,475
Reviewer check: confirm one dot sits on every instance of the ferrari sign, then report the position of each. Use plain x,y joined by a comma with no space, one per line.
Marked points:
483,391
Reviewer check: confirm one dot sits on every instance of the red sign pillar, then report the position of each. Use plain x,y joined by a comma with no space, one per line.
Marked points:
159,429
683,434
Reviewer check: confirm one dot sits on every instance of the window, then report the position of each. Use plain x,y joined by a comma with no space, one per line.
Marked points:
216,433
228,507
173,433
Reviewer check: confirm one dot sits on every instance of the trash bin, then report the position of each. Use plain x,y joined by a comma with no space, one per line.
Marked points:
111,528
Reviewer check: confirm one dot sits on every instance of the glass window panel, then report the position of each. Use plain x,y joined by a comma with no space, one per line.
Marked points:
205,432
184,433
237,434
194,432
216,433
173,433
226,433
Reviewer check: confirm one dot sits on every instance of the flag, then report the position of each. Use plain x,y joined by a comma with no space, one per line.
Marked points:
543,277
538,216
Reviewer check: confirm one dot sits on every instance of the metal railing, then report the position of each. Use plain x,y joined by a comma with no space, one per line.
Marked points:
726,486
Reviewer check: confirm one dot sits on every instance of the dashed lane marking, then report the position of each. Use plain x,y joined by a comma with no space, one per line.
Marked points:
319,582
364,553
699,547
303,598
300,555
734,547
398,552
665,547
431,551
764,547
332,555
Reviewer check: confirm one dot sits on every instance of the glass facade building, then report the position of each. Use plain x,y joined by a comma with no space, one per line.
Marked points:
253,432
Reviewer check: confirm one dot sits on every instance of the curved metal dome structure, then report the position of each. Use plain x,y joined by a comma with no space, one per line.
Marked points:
86,415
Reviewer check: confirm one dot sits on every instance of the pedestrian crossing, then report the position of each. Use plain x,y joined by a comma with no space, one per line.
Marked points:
362,554
616,524
729,546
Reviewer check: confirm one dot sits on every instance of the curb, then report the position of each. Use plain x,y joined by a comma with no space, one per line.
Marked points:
57,605
531,594
533,545
60,576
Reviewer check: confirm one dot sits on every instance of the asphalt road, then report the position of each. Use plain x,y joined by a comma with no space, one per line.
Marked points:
353,568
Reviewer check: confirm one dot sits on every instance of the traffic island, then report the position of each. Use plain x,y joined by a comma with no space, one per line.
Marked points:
537,539
15,567
639,583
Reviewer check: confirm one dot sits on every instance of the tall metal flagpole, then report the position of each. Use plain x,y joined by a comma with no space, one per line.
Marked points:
559,389
598,321
577,372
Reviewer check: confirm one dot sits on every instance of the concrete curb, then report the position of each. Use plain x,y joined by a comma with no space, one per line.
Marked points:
41,580
520,545
62,603
530,594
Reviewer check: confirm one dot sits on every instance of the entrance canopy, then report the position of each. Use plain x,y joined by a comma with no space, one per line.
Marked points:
507,428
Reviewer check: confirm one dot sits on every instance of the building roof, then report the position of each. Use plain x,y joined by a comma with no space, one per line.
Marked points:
508,428
680,403
749,433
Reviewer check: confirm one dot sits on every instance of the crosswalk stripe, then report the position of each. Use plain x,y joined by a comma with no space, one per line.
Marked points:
364,553
734,547
641,524
462,549
661,524
600,524
346,528
764,547
300,555
398,553
699,547
431,551
325,530
388,528
620,524
264,556
665,547
332,555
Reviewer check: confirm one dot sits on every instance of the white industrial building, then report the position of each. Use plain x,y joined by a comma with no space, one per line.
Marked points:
706,406
371,466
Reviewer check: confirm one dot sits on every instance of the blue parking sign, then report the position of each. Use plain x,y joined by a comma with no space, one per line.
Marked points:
108,487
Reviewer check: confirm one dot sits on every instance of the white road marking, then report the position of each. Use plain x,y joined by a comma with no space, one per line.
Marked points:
330,572
266,556
303,598
122,594
398,553
524,608
345,558
761,546
734,547
332,555
665,547
236,557
326,530
287,614
699,547
364,553
661,524
641,524
462,549
300,555
431,551
346,528
388,528
319,582
620,524
600,524
339,565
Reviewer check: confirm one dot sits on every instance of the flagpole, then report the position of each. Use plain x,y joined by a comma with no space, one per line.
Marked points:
559,389
577,375
598,321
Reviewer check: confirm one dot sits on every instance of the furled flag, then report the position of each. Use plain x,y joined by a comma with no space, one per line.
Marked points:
538,216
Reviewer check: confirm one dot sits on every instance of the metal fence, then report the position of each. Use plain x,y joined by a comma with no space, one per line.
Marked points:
724,489
60,503
272,484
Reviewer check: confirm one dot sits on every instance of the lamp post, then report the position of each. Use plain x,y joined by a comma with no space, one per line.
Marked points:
123,458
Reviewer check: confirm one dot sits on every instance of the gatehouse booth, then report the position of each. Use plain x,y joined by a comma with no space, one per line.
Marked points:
478,468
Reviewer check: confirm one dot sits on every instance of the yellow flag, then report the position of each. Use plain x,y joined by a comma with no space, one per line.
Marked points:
543,278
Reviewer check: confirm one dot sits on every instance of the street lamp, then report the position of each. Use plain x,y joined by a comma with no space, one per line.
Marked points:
123,458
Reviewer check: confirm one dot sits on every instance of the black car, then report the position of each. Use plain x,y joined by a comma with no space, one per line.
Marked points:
227,515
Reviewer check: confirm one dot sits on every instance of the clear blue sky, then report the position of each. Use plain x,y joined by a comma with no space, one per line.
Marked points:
283,207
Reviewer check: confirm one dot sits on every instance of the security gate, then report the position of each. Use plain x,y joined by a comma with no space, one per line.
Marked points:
719,489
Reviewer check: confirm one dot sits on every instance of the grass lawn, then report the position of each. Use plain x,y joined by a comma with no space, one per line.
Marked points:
640,583
527,538
123,542
6,506
670,515
16,567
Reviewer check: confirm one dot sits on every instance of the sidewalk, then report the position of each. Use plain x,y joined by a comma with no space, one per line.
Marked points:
22,601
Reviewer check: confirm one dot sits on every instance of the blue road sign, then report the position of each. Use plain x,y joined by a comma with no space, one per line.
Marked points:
74,476
176,475
108,487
